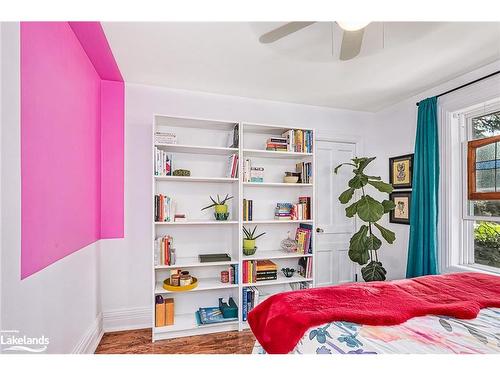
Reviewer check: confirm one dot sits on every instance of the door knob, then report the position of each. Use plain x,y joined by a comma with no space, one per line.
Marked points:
319,230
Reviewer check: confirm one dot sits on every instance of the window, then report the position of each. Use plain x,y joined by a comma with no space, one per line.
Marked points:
482,245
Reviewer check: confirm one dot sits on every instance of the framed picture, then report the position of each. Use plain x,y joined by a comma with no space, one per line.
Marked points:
401,214
401,171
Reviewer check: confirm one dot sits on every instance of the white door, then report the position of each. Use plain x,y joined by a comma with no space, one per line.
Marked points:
334,229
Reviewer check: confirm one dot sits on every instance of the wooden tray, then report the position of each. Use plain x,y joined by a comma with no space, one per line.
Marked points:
173,288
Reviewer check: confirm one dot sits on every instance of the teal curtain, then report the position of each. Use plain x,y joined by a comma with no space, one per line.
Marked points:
422,247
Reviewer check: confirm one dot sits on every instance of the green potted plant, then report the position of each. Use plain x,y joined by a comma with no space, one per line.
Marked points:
220,207
249,247
364,244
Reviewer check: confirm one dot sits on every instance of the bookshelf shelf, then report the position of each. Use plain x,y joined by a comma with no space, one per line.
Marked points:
189,149
272,221
281,280
275,154
188,322
196,179
189,262
274,254
201,149
276,184
196,222
203,284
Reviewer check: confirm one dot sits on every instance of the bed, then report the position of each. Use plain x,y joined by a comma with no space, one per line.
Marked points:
423,335
454,313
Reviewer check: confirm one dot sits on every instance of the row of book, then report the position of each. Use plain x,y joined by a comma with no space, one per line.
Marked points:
259,270
305,171
305,267
294,211
164,251
165,138
247,209
250,298
164,208
233,274
298,140
232,166
303,236
163,163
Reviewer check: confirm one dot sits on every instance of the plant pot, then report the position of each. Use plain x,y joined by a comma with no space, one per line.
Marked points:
221,209
249,247
221,212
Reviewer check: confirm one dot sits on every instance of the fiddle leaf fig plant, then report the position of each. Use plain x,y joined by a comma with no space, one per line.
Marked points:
365,243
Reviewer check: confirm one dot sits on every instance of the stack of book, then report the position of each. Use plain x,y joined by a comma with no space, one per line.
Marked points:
259,270
305,171
303,236
164,252
164,208
299,140
305,267
247,209
277,144
232,166
163,163
283,211
250,300
165,138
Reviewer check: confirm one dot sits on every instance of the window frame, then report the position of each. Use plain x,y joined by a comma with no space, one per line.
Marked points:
472,146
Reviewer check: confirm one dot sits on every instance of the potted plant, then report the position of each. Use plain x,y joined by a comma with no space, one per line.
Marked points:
220,206
249,247
364,244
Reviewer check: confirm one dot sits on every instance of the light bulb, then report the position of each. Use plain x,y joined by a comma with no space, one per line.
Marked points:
352,25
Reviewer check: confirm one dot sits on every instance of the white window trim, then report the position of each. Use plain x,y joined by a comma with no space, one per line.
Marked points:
454,220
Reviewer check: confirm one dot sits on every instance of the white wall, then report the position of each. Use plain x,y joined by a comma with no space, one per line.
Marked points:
393,134
126,263
61,302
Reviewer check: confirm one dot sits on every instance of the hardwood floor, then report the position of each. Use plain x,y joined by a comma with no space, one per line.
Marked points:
139,342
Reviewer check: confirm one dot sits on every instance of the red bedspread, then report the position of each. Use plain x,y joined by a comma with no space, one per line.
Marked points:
280,321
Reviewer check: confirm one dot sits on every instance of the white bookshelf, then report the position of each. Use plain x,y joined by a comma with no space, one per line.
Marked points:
202,148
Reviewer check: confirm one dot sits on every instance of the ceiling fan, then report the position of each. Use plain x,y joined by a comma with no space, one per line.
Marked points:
351,40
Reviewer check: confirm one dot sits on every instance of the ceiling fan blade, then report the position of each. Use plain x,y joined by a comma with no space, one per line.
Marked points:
282,31
351,44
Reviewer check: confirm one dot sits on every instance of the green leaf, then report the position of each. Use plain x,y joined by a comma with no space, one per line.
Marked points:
358,247
373,271
388,235
373,242
382,186
369,209
362,163
346,196
373,177
351,210
388,205
338,167
358,181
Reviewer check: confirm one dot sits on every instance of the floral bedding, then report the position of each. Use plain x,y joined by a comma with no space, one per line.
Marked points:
429,334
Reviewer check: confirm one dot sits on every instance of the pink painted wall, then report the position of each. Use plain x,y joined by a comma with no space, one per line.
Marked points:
112,154
71,142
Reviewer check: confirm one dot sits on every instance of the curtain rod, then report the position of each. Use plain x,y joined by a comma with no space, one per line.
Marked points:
466,84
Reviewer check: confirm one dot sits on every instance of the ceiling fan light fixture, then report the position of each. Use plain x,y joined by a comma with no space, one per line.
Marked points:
352,25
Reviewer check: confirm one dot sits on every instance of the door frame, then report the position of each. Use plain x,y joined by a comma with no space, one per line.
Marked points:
359,146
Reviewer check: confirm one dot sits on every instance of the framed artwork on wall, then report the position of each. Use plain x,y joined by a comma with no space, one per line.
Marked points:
402,201
401,171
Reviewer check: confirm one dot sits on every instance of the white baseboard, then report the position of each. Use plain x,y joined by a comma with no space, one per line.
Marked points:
90,340
127,319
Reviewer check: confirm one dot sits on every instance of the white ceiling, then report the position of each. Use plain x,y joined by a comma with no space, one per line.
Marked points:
398,59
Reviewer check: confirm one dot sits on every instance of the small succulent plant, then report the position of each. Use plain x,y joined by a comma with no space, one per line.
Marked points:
218,202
